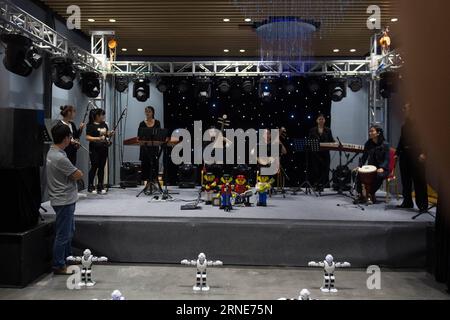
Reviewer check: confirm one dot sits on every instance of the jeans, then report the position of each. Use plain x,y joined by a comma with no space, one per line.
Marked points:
65,228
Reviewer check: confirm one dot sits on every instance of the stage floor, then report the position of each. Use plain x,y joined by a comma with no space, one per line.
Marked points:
331,207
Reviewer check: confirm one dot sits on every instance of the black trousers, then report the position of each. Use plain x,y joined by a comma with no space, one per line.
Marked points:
320,169
413,171
98,159
150,163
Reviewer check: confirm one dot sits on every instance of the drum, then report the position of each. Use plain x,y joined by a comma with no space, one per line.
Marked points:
368,176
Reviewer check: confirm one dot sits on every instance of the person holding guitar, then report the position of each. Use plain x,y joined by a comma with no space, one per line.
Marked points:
98,135
68,113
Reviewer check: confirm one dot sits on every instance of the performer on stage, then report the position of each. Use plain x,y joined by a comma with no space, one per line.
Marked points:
68,113
376,153
320,163
412,164
97,133
149,154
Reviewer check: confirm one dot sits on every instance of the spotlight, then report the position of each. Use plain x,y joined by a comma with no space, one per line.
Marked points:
141,89
313,85
34,57
248,85
338,90
15,59
63,72
224,85
203,88
121,83
183,86
355,84
388,83
90,84
162,86
289,86
265,89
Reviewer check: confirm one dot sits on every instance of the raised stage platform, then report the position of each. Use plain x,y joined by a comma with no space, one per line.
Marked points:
289,232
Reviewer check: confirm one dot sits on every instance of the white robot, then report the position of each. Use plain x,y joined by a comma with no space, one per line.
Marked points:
329,266
117,295
86,262
201,263
304,295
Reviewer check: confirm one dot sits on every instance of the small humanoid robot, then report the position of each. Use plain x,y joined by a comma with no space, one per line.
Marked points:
262,188
209,186
304,295
242,190
329,266
117,295
86,262
226,192
201,263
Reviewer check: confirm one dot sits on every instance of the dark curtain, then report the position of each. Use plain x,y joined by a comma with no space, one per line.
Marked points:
442,237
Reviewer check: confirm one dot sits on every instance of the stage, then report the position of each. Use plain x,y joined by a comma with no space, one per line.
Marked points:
289,232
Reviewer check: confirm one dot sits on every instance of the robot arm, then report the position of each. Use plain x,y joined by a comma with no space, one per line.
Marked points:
189,262
214,263
73,259
343,265
99,259
316,264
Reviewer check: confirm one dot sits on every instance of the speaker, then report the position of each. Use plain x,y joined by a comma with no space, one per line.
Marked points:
21,138
187,176
130,175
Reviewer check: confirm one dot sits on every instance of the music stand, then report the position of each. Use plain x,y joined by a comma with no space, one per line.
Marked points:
152,137
307,146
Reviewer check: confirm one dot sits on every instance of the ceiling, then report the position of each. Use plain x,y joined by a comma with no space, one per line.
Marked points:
196,28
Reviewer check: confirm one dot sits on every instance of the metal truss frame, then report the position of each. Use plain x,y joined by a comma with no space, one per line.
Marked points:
338,68
15,20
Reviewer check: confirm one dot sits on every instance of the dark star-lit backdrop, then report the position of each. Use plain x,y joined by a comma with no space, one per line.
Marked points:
295,108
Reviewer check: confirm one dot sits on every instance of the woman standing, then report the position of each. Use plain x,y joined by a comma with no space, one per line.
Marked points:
68,113
97,133
321,160
149,154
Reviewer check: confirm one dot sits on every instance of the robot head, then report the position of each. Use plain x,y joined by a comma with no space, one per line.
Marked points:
240,180
304,294
263,179
87,253
209,177
329,258
202,257
226,178
116,295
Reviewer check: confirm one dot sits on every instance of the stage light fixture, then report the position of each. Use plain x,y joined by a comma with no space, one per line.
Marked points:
224,85
90,84
248,85
289,86
162,86
121,83
141,89
63,72
313,85
338,90
20,57
388,83
203,88
265,89
355,84
183,86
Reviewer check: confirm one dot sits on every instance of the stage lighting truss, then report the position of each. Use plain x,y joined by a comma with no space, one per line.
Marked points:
15,20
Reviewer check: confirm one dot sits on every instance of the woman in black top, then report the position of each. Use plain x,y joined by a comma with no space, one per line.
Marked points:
376,153
149,154
320,164
68,113
97,133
